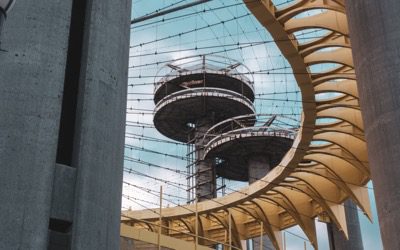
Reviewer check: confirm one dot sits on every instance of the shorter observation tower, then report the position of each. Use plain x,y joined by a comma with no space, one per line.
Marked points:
191,96
246,148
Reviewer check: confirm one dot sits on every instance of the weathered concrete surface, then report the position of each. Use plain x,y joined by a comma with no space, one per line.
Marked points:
62,201
99,141
32,76
337,241
205,172
205,180
31,84
375,35
259,166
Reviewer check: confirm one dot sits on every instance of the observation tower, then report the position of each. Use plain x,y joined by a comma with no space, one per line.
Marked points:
247,147
192,95
207,101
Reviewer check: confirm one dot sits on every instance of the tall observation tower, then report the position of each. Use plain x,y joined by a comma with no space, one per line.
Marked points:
196,94
207,101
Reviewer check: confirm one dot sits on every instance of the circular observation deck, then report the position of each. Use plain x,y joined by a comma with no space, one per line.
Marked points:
211,88
234,143
176,115
203,72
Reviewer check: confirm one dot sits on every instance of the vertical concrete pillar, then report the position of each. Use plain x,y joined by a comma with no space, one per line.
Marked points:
259,166
205,180
337,241
375,35
100,124
32,69
42,57
205,173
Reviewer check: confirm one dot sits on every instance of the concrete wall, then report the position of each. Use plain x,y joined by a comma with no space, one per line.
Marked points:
31,83
375,35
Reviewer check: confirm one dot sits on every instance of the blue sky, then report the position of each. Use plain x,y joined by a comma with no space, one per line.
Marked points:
221,26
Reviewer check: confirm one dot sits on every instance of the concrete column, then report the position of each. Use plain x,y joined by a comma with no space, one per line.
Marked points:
205,181
259,166
205,173
375,35
99,137
100,124
337,241
35,41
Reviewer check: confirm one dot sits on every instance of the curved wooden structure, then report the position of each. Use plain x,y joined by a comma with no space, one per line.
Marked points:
328,161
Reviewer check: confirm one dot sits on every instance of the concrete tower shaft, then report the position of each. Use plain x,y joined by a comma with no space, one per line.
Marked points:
205,170
63,80
258,167
375,35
